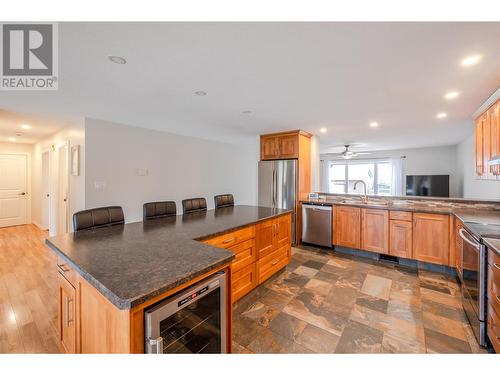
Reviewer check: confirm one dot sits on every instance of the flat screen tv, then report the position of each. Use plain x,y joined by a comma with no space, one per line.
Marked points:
428,186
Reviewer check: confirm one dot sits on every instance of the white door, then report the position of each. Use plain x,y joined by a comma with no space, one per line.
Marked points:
63,196
45,198
13,181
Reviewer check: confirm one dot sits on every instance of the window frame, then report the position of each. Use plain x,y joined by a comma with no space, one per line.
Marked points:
346,163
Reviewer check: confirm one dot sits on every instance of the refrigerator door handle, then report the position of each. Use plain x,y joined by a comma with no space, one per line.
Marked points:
274,188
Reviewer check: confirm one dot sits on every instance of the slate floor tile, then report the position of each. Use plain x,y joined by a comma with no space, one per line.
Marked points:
330,302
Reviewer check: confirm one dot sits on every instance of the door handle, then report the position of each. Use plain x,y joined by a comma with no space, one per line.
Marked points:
461,233
67,301
228,240
23,193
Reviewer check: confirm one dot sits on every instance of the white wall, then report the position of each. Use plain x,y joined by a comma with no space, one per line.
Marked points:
23,149
129,166
470,187
420,161
75,135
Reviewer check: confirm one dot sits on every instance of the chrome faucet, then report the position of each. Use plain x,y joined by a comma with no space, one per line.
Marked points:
364,199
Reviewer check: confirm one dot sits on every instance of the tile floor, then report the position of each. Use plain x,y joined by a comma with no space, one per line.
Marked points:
335,303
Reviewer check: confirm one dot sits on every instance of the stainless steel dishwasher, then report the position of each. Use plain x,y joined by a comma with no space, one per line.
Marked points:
317,224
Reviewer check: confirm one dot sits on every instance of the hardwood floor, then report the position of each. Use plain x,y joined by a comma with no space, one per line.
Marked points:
28,300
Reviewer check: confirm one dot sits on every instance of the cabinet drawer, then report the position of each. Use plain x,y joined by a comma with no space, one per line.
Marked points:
229,239
271,263
244,254
66,271
401,215
493,329
243,281
494,288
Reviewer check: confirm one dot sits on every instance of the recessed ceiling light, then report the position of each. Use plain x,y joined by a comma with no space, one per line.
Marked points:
247,112
451,95
374,124
12,139
323,130
200,93
25,127
441,115
471,60
117,60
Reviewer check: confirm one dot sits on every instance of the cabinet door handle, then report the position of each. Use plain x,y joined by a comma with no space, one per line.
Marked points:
275,262
67,301
62,269
497,266
228,240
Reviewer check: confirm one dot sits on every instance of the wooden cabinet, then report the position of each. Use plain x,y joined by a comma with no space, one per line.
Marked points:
487,142
375,230
347,226
260,251
243,281
67,315
269,147
401,238
273,242
493,287
282,145
431,237
494,149
479,145
458,247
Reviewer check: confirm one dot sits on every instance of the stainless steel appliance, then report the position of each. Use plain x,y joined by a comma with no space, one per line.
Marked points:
191,321
317,224
474,274
278,187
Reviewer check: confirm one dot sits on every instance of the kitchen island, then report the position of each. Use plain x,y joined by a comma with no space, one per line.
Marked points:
109,276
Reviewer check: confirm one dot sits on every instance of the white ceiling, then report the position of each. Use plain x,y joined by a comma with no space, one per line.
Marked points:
11,127
290,75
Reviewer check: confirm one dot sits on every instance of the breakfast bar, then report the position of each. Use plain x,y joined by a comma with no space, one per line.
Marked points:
109,277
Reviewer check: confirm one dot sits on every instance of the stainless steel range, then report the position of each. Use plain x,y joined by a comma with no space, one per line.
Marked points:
474,277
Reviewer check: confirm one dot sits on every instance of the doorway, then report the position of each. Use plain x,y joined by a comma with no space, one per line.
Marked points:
63,189
13,189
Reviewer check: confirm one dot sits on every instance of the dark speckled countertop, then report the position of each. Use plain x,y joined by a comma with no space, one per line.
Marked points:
132,263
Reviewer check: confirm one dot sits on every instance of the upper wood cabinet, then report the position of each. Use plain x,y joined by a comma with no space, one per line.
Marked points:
487,143
282,145
347,226
375,230
431,234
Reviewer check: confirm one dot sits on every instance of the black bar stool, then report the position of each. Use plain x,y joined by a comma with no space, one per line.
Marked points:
153,210
98,217
194,205
224,200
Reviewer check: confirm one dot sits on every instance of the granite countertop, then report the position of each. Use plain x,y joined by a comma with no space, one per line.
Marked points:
132,263
492,244
478,212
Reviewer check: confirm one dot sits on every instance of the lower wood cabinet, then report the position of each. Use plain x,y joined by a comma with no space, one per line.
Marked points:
493,318
401,238
67,315
260,251
375,230
243,281
431,237
458,246
347,226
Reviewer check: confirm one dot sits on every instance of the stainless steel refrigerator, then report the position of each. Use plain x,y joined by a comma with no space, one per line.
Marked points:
278,187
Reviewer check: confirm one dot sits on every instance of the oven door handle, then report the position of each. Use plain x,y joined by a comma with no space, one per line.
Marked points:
470,242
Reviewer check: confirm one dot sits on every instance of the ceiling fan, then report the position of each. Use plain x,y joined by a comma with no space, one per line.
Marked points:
348,154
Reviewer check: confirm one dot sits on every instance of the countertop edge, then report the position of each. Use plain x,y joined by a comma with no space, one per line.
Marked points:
232,229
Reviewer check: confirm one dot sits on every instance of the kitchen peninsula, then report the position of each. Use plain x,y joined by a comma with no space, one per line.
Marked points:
109,276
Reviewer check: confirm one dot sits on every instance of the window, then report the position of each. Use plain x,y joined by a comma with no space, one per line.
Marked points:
377,175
